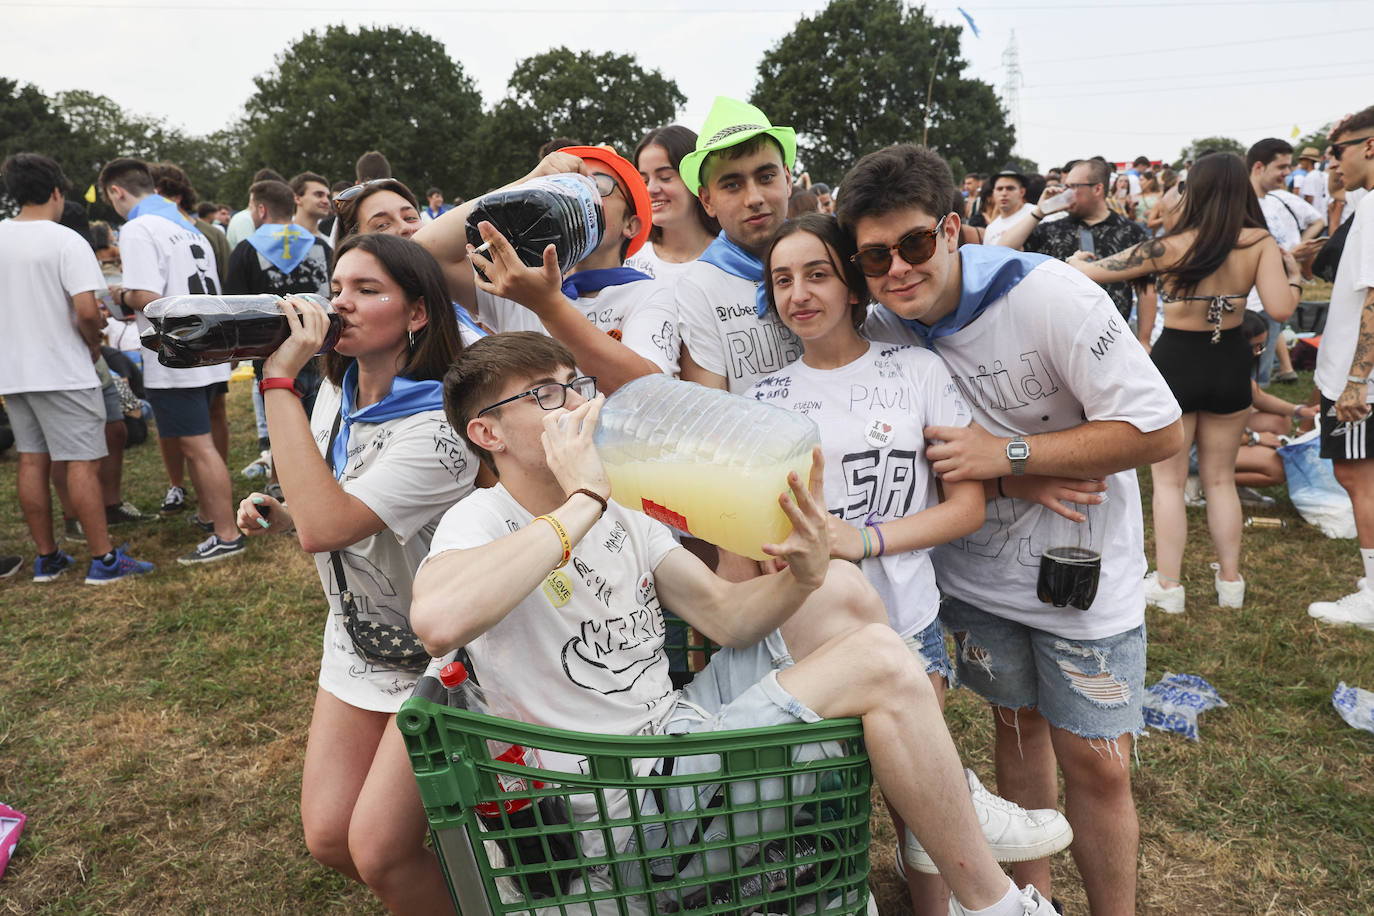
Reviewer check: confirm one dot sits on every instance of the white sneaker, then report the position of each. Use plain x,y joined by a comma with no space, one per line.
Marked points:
1356,609
1168,600
1229,594
1192,493
1032,904
1015,834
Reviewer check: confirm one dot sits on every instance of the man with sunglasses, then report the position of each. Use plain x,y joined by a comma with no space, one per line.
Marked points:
1345,362
1090,225
1066,405
563,608
618,322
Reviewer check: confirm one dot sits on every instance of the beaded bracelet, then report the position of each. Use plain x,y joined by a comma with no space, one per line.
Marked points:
562,537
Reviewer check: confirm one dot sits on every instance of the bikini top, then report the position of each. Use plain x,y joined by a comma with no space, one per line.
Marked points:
1215,306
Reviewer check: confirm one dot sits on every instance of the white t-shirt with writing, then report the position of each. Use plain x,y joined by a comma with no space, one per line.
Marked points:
161,257
1003,223
871,414
1354,278
42,266
584,650
1048,354
408,471
647,260
722,331
642,315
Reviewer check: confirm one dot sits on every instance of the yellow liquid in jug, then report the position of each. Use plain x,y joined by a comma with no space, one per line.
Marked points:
733,508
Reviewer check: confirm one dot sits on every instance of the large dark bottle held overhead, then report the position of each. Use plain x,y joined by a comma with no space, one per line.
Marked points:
189,331
564,210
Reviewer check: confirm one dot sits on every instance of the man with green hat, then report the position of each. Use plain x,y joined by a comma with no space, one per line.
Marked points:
741,171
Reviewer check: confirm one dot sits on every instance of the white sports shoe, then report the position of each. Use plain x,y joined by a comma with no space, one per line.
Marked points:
1168,600
1229,594
1015,834
1192,493
1356,609
1032,904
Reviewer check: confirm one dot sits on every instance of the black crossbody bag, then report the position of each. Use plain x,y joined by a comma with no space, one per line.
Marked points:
378,642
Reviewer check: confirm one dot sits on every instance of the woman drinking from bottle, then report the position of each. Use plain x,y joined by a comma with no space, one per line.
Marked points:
366,479
872,402
681,230
1206,264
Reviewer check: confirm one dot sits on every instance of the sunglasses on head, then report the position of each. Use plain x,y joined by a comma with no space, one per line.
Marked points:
916,247
350,193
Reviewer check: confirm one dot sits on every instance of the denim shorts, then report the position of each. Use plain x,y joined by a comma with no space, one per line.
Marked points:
928,646
1090,687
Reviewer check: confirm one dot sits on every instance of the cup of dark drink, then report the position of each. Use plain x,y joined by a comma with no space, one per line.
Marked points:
1070,555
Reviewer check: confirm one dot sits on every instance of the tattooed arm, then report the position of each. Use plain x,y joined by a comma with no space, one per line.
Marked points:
1136,261
1351,406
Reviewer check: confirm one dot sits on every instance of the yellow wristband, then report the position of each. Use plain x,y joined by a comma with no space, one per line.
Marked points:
562,536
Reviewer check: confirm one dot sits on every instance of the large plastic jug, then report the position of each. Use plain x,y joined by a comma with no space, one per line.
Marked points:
199,330
709,463
562,209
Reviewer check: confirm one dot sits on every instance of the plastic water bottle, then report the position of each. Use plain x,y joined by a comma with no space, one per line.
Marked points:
199,330
561,209
519,812
709,463
261,466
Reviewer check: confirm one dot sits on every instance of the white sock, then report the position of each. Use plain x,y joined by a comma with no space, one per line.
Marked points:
1368,557
1010,904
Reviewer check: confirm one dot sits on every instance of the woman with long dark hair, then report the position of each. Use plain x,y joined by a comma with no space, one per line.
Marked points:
367,478
1218,249
681,230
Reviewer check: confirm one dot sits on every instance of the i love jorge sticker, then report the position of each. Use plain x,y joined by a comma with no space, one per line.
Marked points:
879,433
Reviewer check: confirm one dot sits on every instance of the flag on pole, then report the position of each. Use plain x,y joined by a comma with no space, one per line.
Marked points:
90,194
1295,133
971,23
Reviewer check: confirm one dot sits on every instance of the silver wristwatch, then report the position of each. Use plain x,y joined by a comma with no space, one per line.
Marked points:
1017,453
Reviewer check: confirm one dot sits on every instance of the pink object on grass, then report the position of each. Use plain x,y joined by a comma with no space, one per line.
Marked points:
11,825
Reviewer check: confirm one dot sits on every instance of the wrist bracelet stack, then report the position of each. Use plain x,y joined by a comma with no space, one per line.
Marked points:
867,532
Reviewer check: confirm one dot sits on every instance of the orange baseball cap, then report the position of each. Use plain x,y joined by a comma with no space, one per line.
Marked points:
629,178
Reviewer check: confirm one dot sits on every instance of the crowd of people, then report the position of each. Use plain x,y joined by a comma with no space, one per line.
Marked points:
977,358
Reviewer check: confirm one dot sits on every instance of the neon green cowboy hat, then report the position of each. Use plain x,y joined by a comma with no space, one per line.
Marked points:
730,123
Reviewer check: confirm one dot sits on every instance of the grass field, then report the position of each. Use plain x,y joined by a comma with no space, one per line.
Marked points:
154,730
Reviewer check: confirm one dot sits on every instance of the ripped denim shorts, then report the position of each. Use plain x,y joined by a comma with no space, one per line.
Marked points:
1091,687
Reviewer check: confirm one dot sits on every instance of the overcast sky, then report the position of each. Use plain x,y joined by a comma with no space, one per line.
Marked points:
1109,77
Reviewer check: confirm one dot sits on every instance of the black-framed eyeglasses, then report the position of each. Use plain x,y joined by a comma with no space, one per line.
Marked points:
350,193
1338,149
605,184
1075,185
916,247
551,395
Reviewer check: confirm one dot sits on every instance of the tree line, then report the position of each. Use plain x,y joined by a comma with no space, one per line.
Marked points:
852,78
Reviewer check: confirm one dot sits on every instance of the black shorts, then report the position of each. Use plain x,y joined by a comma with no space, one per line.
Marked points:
1205,376
1343,441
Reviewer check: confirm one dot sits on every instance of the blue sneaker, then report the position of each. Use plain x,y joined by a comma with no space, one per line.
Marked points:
45,569
123,567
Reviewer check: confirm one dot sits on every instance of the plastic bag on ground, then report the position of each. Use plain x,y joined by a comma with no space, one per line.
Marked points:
1312,486
11,825
1176,701
1355,705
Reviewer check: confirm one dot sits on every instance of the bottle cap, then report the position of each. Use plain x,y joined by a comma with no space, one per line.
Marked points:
453,674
